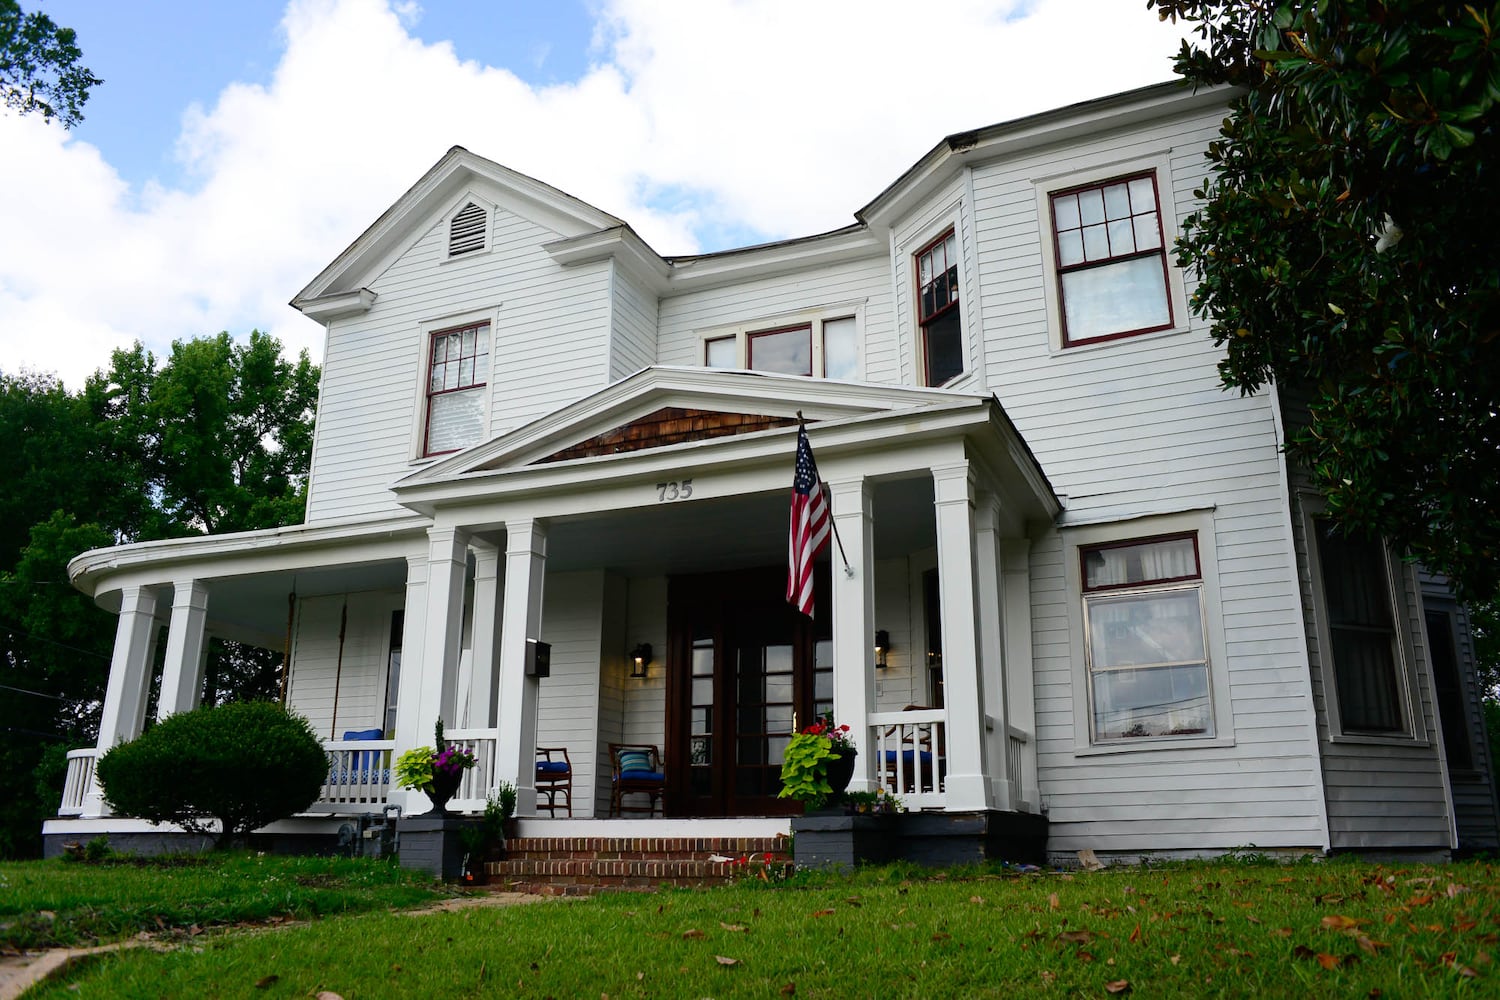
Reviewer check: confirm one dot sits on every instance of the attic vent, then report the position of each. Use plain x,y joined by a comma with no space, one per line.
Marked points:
466,233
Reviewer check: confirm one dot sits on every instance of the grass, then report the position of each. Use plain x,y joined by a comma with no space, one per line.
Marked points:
46,904
1228,929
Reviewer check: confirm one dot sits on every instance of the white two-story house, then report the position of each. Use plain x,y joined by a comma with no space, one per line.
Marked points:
1100,592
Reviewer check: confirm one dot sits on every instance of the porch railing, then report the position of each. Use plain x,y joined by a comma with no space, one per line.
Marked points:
1019,751
79,781
359,776
911,759
479,780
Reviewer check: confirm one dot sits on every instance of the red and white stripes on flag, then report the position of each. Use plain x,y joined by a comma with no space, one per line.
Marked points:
809,530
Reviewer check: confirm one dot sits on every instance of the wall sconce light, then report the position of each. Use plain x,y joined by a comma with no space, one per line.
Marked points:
882,647
641,658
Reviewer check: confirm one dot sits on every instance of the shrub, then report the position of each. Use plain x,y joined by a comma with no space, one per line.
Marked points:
245,764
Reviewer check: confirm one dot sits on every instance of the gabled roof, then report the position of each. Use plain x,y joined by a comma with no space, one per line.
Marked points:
458,170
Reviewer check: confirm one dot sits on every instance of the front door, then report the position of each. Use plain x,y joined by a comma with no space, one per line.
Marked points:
742,664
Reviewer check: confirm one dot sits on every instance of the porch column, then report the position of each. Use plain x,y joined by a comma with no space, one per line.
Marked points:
187,650
991,647
1015,569
486,636
129,680
515,750
409,681
447,561
953,498
854,623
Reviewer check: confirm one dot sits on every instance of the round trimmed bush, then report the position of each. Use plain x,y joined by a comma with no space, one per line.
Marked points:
245,764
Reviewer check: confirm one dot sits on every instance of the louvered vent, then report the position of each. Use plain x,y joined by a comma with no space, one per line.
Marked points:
466,234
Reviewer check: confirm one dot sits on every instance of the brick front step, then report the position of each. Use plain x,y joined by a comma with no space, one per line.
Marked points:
584,865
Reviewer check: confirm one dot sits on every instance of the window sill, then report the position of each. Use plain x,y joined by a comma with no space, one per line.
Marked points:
1145,745
1061,349
1398,740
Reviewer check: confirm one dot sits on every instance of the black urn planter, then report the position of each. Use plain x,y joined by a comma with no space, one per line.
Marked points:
444,787
841,772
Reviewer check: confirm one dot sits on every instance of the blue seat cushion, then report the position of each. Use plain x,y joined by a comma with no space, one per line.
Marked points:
907,756
365,758
552,767
643,776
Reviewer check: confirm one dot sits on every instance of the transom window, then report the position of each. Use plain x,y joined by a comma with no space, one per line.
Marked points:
1362,633
937,310
1111,260
1147,650
790,350
458,370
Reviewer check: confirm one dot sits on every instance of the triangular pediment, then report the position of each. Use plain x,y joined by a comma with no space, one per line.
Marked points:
669,407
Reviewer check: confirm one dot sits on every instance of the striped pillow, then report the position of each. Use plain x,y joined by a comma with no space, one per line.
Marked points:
634,760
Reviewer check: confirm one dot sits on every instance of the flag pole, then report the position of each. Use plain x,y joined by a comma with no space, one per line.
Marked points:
832,521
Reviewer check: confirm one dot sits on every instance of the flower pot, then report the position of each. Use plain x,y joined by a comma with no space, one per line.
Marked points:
841,772
444,786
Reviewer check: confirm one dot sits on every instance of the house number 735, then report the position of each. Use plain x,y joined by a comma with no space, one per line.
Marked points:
674,490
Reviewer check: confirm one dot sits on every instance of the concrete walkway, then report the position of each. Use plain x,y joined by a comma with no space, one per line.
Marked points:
18,973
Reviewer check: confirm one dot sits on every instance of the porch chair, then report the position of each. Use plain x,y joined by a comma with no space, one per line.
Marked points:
917,767
554,777
635,769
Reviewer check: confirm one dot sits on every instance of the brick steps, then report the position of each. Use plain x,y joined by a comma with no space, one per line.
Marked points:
558,866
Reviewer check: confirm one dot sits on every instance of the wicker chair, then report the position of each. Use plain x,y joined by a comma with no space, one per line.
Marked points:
554,777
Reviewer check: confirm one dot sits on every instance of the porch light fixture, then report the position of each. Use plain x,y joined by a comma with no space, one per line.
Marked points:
882,647
641,657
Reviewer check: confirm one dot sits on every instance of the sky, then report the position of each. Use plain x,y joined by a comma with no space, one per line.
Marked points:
235,148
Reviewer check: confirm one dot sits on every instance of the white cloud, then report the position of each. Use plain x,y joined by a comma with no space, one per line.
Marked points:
764,117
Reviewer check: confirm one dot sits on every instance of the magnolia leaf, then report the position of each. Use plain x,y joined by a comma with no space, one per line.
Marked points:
693,934
266,981
726,960
1117,986
1339,923
736,928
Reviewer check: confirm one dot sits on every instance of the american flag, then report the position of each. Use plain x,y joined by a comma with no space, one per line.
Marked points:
810,526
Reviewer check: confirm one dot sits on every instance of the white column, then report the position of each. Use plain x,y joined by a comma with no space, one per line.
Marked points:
486,635
515,751
187,649
991,646
1015,569
953,498
854,622
447,561
129,679
409,682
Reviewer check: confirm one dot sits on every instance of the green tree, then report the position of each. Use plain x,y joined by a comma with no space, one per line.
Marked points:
1347,250
39,66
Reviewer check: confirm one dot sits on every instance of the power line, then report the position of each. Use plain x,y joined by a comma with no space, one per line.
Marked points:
51,642
39,694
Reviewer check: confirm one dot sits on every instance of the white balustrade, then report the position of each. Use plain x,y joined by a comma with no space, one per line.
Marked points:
359,776
479,780
79,781
910,751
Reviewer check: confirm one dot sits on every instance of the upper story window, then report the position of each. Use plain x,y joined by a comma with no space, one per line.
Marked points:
458,370
1361,635
825,347
467,230
1145,642
1111,260
937,310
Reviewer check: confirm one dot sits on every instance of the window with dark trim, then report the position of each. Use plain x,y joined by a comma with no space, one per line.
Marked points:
825,347
1146,646
937,310
1357,599
1111,260
787,350
457,372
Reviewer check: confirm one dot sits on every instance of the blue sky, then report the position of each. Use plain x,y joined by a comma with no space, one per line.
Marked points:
235,148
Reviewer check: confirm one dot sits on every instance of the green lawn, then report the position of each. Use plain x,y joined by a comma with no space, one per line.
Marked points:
60,903
1328,929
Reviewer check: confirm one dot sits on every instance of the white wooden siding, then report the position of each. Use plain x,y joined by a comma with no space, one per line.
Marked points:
633,326
567,701
361,678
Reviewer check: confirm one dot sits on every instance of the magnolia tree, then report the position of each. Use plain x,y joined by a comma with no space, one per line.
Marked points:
1348,249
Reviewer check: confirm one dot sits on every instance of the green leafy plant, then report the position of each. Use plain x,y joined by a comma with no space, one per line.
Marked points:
245,764
877,803
418,767
804,764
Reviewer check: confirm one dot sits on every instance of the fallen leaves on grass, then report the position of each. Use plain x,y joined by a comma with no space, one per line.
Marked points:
1117,986
265,982
693,933
726,960
732,928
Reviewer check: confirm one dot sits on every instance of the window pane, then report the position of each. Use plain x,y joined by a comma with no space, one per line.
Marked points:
1116,202
1357,601
840,349
1070,248
455,420
785,351
1164,701
1147,232
945,353
435,381
722,352
1143,195
1065,211
1121,237
1091,207
1095,243
1145,629
1144,562
1115,298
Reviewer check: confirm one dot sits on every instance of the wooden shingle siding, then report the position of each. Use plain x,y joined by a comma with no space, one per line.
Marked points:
669,425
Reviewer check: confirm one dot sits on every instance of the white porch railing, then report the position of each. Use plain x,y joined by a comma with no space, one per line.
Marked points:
479,780
911,755
359,776
79,781
1019,752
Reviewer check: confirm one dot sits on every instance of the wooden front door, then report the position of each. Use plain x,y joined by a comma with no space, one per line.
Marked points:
742,663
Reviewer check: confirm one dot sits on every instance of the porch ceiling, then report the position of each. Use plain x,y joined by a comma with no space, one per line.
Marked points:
253,608
728,533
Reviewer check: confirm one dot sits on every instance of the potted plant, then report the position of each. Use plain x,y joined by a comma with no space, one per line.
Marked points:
485,839
436,770
818,763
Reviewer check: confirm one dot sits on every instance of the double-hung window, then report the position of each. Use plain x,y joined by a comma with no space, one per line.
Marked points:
1361,632
1111,260
825,347
937,310
457,373
1146,646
